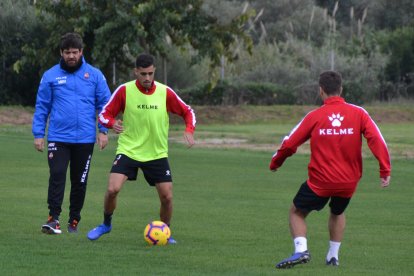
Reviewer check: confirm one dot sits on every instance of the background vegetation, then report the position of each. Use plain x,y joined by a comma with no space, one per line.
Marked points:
219,51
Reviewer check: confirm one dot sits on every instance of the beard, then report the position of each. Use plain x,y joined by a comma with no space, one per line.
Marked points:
72,62
71,65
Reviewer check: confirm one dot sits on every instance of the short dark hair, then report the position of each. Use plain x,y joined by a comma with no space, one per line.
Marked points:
71,40
330,82
144,61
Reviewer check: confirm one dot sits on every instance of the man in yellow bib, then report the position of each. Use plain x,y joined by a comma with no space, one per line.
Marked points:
143,139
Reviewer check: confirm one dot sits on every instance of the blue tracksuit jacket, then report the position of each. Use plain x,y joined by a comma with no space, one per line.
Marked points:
71,101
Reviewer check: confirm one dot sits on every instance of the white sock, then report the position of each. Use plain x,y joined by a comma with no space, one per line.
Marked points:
333,250
301,244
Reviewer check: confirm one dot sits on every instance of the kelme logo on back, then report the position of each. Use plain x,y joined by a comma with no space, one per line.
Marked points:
336,119
336,122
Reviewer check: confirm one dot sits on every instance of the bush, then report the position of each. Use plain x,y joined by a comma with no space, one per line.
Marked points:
201,94
227,93
353,92
258,94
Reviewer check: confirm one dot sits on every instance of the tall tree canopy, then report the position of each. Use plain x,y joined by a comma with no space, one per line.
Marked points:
119,30
18,25
287,42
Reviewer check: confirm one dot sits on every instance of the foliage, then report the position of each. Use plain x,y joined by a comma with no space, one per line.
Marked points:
180,72
18,26
287,43
391,14
399,45
245,93
381,14
117,31
399,71
284,19
297,65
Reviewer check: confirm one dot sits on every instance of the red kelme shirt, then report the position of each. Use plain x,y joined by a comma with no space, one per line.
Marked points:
335,131
174,104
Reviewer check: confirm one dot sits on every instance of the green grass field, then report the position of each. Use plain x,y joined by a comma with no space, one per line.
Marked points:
230,215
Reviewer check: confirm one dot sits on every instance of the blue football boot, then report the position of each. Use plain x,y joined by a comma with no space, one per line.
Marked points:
98,231
297,258
333,261
171,240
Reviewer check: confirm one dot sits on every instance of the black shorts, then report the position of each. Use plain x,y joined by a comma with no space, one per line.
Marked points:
306,200
155,171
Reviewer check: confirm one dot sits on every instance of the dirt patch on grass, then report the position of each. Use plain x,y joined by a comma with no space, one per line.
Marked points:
15,115
243,115
231,143
246,114
286,114
238,114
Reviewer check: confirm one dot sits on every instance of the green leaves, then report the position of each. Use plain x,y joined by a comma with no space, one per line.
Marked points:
120,30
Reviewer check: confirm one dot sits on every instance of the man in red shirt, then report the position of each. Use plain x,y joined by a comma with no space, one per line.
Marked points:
335,131
143,140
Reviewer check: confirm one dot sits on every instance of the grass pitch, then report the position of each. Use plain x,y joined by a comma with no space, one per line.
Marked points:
230,216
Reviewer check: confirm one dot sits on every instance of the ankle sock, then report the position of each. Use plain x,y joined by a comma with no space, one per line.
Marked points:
333,251
301,244
107,219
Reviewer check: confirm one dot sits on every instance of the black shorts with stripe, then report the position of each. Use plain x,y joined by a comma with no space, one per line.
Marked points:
155,171
307,201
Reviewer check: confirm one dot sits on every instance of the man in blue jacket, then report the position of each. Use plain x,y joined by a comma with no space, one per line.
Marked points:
70,95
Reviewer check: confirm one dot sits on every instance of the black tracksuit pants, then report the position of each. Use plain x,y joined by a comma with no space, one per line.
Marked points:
60,155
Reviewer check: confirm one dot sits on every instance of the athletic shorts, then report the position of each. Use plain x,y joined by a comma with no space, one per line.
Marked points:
306,200
155,171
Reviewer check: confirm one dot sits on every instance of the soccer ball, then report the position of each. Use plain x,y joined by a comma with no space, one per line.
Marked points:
157,233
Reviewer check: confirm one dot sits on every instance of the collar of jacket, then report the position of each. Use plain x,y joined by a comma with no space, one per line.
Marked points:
334,99
69,69
144,90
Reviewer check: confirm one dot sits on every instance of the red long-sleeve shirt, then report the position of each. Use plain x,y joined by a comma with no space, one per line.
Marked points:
335,131
174,105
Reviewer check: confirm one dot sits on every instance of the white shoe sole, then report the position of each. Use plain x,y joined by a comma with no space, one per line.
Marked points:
49,230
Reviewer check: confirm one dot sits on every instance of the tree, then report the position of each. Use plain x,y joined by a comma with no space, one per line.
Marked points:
398,79
116,31
18,25
400,46
391,14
